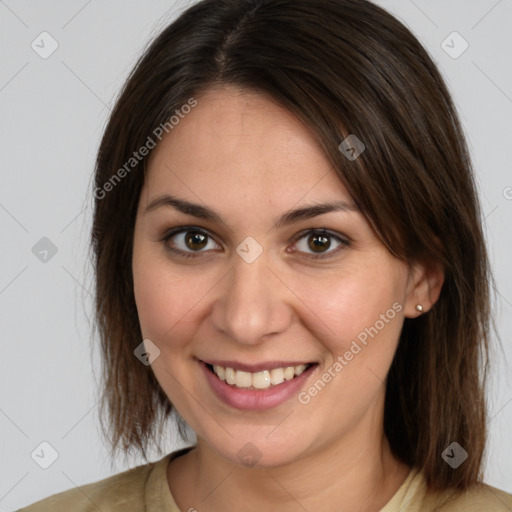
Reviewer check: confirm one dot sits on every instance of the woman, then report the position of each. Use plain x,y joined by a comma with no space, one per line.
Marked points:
289,255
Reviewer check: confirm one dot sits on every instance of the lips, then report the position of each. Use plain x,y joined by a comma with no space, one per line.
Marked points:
251,397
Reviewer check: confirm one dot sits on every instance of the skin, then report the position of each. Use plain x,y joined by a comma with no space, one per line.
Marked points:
250,160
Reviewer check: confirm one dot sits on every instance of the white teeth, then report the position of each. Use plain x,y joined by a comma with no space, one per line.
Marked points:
230,376
219,370
243,379
277,376
261,380
258,380
299,369
289,372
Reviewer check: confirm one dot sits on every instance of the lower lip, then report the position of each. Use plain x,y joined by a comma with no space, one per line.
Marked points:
256,400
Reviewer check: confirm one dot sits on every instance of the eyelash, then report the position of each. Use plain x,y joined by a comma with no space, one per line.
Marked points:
186,229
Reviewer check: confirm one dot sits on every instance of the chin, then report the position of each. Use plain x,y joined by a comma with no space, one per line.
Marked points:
257,451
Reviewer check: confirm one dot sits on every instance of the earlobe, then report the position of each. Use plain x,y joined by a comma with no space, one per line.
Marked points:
425,284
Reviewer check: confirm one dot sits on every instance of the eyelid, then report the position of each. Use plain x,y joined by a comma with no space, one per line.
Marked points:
322,231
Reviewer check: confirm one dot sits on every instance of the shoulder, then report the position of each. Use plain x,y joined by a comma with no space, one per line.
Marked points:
476,499
480,497
123,491
414,496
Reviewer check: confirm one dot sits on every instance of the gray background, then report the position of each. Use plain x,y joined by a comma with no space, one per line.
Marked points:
52,113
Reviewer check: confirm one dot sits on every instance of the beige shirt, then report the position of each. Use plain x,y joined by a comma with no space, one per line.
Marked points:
145,489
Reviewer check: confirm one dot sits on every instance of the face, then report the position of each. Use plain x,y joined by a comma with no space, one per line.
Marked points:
244,291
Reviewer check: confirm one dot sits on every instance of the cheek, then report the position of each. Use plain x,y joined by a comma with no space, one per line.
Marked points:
164,300
356,305
357,317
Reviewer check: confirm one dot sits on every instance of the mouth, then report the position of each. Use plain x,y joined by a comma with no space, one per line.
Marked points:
268,385
270,376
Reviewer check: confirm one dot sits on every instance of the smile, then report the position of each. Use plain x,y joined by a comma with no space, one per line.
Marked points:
260,389
259,380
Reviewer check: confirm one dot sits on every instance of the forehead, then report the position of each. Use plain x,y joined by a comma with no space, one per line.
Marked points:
243,144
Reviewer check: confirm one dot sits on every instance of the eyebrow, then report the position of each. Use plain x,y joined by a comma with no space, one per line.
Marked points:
289,217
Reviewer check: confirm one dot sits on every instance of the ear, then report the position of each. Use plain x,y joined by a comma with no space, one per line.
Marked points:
423,287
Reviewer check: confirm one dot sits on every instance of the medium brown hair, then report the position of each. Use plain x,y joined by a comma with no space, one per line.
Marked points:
342,67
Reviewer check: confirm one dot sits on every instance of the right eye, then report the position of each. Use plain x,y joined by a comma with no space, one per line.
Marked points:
184,241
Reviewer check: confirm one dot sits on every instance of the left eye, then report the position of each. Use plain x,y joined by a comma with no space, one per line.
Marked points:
319,241
194,240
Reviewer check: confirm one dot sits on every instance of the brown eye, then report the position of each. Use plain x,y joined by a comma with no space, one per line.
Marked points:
187,241
195,240
317,242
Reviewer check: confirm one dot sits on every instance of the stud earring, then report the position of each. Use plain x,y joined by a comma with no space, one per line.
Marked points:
419,308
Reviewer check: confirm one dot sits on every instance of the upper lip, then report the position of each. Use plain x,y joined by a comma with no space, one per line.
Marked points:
258,367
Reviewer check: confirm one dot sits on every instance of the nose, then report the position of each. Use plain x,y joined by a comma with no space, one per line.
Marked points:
253,303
